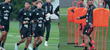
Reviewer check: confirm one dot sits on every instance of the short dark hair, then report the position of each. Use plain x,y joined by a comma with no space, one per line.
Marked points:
34,0
28,2
38,2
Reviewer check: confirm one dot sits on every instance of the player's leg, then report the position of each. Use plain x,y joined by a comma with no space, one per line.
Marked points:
27,42
48,27
36,39
30,44
85,38
23,38
4,35
104,4
35,42
108,4
31,30
91,42
41,35
81,32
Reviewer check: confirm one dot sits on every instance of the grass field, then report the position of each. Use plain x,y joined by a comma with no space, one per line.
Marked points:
64,34
14,37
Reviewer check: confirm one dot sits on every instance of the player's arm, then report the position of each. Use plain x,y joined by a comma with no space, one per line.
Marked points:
33,16
51,9
20,18
11,8
82,17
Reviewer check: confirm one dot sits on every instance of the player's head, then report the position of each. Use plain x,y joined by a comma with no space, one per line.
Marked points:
100,5
80,4
8,1
90,2
48,1
27,4
39,4
33,2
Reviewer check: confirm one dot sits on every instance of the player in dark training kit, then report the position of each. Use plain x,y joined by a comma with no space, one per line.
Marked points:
5,11
89,25
25,18
107,2
39,19
48,7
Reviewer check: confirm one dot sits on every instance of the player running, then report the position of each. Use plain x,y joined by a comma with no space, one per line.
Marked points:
25,17
39,19
48,7
5,11
89,25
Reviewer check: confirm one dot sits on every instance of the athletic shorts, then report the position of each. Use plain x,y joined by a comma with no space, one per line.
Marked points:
25,32
6,28
87,30
38,33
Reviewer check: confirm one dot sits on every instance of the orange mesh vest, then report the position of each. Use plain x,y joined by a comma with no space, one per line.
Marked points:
78,13
101,17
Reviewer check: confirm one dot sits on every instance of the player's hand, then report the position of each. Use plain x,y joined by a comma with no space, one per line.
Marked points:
25,22
1,26
32,21
48,15
78,18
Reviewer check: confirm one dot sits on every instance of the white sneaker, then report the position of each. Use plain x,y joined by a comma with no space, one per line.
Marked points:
46,43
3,48
30,47
16,47
0,48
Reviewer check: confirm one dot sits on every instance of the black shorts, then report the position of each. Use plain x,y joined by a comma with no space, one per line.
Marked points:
87,30
6,28
38,33
25,32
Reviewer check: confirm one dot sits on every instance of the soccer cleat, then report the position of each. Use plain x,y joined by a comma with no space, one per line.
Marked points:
83,44
76,42
30,47
46,43
92,41
16,46
3,48
92,48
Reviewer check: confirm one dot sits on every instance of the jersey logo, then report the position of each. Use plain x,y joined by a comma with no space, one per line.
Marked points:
6,11
37,13
27,19
9,7
24,13
30,14
3,7
6,14
43,13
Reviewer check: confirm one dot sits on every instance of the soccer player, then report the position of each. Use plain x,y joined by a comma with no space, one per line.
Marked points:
48,7
89,25
107,2
5,11
39,19
25,18
33,5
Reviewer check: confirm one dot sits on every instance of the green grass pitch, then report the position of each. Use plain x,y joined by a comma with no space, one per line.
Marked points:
14,36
